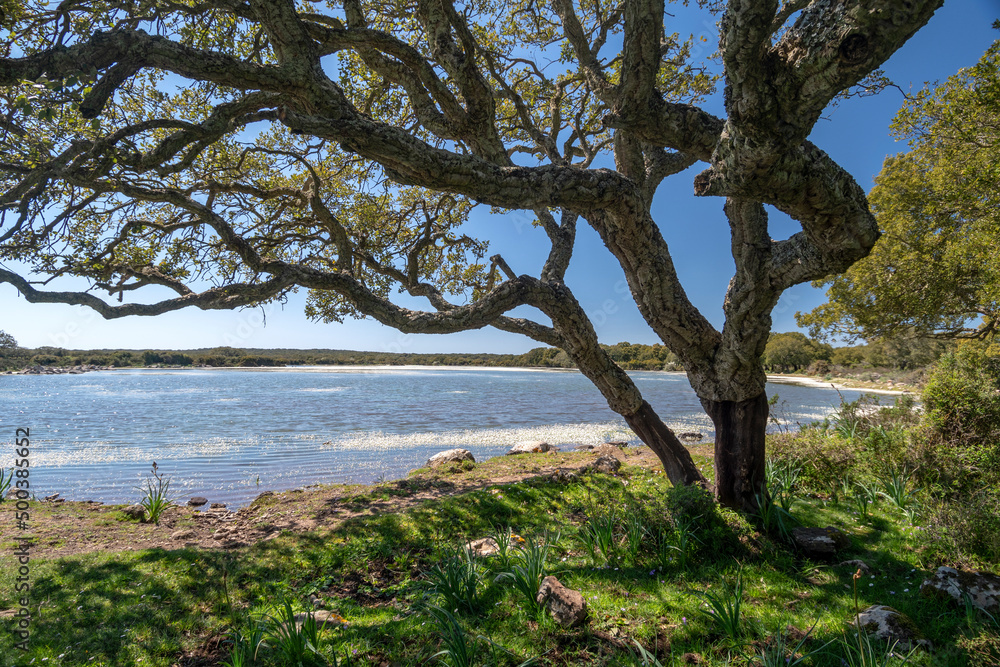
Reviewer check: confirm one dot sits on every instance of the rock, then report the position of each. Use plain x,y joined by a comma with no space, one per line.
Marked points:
529,447
563,476
891,626
197,501
323,618
137,512
183,534
218,506
486,546
690,436
609,465
856,565
821,542
568,607
607,449
983,588
450,456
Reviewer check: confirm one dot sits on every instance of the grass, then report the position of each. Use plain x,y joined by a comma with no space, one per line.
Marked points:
150,608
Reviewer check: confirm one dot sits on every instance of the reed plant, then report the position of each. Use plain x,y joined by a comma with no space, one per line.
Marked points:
897,486
458,580
5,482
244,647
598,537
677,544
298,644
776,651
865,495
725,609
156,496
635,533
529,569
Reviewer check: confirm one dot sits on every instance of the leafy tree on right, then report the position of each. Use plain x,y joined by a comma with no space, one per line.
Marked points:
935,270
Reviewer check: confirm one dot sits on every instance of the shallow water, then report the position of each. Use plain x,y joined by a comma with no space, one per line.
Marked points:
229,434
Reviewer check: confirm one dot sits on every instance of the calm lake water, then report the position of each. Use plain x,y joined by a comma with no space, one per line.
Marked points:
231,434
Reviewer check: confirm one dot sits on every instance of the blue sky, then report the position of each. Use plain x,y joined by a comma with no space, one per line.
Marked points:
855,134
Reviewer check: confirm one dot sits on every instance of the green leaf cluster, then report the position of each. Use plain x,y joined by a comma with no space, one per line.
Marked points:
935,268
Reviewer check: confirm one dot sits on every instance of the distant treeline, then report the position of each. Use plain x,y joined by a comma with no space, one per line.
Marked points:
785,352
630,356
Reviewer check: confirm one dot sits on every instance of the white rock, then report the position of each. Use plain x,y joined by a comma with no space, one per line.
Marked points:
450,456
529,447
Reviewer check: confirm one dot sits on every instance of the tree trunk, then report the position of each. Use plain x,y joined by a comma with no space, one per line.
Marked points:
740,428
677,462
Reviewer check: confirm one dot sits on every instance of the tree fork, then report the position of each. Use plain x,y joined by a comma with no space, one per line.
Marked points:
740,429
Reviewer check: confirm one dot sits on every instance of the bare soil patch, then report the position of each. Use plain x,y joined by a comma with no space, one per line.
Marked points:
69,528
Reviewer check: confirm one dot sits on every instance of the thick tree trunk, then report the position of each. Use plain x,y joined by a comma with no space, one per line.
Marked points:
740,428
677,462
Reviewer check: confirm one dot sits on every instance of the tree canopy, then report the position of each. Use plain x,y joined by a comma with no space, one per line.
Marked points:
225,153
793,350
7,342
935,269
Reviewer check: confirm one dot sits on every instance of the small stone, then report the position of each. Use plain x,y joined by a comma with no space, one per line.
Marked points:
183,535
486,546
529,447
821,543
197,501
137,512
563,476
568,607
450,456
891,626
608,465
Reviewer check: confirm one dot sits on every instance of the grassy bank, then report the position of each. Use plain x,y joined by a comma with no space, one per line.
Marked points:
650,560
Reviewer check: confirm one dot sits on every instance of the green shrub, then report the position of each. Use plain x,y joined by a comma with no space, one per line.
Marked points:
962,396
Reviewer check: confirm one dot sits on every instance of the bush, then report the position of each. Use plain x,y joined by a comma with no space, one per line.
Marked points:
962,396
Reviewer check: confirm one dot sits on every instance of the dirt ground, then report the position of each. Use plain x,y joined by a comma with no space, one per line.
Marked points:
68,528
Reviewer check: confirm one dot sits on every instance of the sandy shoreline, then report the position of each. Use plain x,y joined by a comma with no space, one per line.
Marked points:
813,382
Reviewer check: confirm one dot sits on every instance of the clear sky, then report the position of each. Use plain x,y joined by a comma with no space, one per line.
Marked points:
855,134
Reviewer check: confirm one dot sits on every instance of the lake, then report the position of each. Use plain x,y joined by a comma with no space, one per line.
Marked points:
229,434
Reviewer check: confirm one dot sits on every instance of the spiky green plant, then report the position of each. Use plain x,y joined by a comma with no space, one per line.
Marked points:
458,580
725,608
298,644
529,569
156,496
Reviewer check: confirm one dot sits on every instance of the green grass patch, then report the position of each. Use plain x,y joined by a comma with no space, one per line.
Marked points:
409,594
